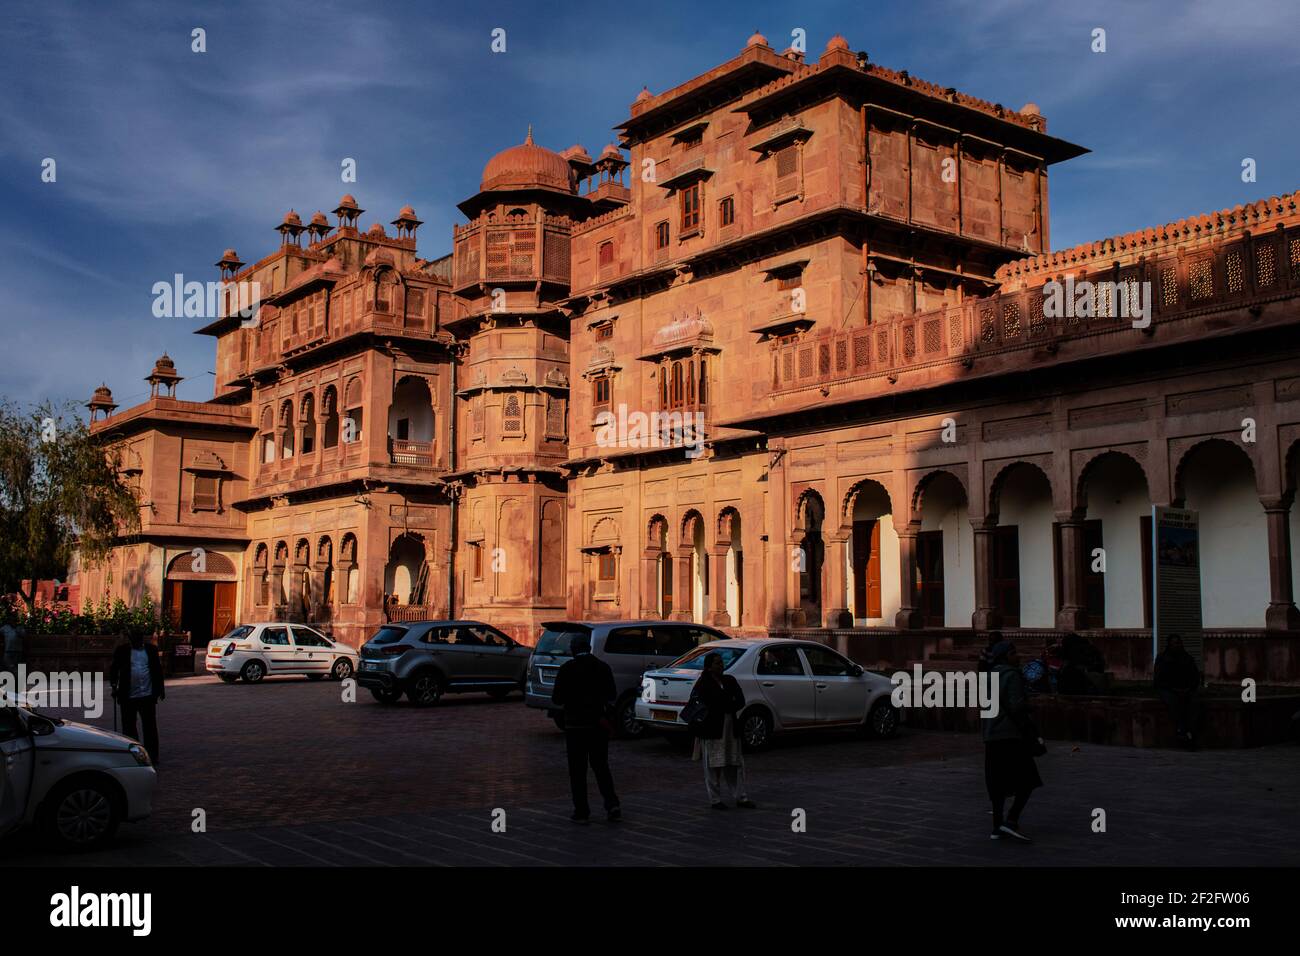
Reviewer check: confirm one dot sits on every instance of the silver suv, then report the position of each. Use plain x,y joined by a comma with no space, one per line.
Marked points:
426,659
630,648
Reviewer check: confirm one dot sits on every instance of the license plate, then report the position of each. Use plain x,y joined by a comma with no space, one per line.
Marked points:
669,715
369,666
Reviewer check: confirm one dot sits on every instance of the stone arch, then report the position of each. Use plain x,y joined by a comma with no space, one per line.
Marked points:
1090,467
728,520
262,574
918,493
605,531
656,532
550,548
402,578
1000,479
809,497
214,567
851,497
686,535
349,566
1180,491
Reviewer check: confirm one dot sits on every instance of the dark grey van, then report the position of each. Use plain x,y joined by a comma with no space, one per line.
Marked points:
630,648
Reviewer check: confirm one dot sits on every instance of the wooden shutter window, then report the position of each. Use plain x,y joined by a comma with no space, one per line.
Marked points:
207,493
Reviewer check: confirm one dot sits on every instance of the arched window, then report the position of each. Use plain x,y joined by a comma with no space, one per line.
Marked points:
268,436
308,442
348,566
329,407
352,417
286,429
261,575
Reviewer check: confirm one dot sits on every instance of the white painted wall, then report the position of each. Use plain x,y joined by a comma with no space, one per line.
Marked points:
943,508
1026,501
1220,486
1117,496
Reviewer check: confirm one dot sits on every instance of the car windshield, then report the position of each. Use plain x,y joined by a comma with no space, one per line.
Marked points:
558,640
388,635
694,660
239,633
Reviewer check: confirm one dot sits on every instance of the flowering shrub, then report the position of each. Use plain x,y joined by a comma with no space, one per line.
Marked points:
102,617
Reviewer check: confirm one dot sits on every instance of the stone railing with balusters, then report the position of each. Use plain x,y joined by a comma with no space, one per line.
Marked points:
1244,271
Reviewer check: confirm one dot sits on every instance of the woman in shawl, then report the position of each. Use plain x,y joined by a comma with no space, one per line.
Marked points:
717,733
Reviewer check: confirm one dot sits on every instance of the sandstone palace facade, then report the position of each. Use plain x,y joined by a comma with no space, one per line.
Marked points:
835,267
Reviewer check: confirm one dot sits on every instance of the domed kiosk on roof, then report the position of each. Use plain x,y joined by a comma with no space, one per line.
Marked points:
527,166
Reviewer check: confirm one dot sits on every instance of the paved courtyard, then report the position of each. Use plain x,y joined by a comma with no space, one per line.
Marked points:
288,774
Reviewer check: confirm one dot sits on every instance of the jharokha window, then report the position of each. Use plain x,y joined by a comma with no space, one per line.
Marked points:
606,254
691,208
600,391
727,212
661,235
684,383
207,493
605,567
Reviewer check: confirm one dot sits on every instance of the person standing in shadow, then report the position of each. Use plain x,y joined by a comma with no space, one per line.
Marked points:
136,680
719,699
585,691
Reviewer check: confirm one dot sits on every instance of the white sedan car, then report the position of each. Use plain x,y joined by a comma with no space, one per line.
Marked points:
788,685
74,781
251,652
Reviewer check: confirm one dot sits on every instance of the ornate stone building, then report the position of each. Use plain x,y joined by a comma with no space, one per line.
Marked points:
837,270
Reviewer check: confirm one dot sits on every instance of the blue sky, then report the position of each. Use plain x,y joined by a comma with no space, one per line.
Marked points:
166,157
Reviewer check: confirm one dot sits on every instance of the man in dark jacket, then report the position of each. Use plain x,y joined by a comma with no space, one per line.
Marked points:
1177,679
1009,742
584,690
136,680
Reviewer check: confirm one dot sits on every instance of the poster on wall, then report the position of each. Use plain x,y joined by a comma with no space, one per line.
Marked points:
1176,554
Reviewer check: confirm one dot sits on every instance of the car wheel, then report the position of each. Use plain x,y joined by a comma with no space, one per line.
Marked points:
253,672
756,729
426,689
228,678
626,722
882,722
386,695
82,814
342,669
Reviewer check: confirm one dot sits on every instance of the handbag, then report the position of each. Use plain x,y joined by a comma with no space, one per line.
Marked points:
695,713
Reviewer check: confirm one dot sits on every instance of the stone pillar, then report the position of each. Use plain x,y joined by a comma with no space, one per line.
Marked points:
1073,615
778,551
684,593
986,617
1281,614
909,614
719,617
837,606
650,583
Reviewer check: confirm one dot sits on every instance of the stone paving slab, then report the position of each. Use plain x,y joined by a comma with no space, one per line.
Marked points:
291,777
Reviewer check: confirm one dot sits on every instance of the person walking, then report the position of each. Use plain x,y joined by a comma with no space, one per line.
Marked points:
584,691
1177,679
1011,741
718,700
136,680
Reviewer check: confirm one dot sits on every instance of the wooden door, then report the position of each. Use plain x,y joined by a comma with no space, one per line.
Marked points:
929,569
866,568
172,591
1006,573
223,608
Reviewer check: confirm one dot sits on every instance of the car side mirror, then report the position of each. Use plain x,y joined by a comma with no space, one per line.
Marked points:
857,670
39,726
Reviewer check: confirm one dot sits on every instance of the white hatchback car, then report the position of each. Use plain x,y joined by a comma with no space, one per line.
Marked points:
788,685
73,781
251,652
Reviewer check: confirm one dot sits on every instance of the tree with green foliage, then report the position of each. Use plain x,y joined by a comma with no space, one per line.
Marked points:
61,491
